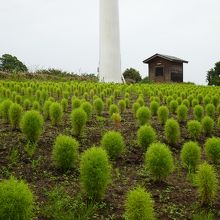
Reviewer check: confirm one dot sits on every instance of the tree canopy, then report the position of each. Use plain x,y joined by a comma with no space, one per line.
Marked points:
9,63
132,74
213,75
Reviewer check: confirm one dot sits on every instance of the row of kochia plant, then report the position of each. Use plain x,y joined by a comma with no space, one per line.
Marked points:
95,164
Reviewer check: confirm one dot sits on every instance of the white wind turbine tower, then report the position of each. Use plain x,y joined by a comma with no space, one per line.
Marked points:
110,54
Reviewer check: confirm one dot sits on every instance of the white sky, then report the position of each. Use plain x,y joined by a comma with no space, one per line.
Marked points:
64,34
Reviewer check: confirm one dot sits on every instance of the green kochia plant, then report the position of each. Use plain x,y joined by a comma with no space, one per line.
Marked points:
113,143
16,200
198,112
146,135
87,107
32,125
139,205
159,161
113,109
122,105
15,113
95,172
207,183
56,113
190,156
182,112
194,128
135,107
207,125
46,109
163,113
4,109
212,149
154,107
210,110
64,104
99,106
78,120
143,115
65,152
172,131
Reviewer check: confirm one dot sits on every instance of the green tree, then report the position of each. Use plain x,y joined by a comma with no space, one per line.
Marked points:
10,63
213,75
132,75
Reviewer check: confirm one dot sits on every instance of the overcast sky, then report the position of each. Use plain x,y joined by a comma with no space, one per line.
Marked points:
64,34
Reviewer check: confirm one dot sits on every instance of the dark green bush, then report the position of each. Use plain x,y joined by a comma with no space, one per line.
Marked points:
76,102
198,112
95,172
36,106
186,103
207,125
172,131
212,149
78,121
32,125
190,156
207,183
159,161
146,135
56,113
173,106
210,110
65,152
154,107
135,107
113,109
182,112
87,107
163,113
26,104
139,205
122,105
16,200
194,128
143,115
99,106
64,104
46,109
15,113
4,109
113,143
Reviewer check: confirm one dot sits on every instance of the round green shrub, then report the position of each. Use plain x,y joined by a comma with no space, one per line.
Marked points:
154,107
78,120
16,200
195,102
210,110
173,106
113,143
56,113
4,109
113,109
212,149
95,172
190,155
186,103
182,112
64,104
99,106
198,112
36,106
194,129
206,100
15,113
26,104
46,109
215,100
159,161
140,100
218,122
146,135
76,102
163,113
122,105
18,99
207,125
32,125
207,183
65,152
172,131
135,107
87,107
139,205
143,115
